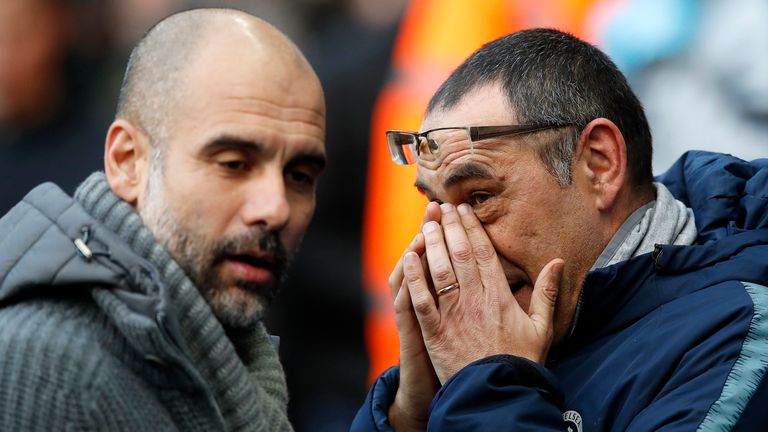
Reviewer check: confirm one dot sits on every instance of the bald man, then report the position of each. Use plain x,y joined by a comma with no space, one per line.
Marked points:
137,304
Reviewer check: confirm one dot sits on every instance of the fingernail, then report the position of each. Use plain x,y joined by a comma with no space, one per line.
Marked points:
429,227
411,258
463,209
446,208
558,270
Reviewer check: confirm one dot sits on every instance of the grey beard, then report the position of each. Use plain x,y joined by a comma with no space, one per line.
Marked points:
200,259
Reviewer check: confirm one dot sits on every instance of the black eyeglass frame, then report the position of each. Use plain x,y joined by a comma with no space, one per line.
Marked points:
475,133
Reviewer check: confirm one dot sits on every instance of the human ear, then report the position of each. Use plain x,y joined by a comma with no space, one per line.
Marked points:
126,160
601,155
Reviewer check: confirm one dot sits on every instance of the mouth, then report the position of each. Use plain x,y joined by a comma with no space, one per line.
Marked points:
252,267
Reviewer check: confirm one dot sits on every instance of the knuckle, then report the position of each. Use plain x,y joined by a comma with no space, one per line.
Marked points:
550,293
471,224
412,278
450,221
421,305
485,252
442,274
461,253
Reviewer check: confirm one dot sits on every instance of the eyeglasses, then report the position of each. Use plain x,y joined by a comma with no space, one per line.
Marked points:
409,147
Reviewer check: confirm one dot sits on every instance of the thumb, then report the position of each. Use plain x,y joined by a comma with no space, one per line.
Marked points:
544,295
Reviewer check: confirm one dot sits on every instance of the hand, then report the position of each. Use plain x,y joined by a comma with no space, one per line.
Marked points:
418,382
482,317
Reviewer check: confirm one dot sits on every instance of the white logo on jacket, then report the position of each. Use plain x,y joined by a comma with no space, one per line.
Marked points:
572,421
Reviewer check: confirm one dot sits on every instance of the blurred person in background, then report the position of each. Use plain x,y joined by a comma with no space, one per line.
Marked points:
698,66
713,93
47,130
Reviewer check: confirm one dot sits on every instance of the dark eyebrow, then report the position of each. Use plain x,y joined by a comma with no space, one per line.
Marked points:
467,172
464,172
420,185
228,142
316,160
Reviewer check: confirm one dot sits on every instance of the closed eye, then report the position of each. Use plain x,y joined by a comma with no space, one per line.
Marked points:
479,197
302,178
303,171
234,165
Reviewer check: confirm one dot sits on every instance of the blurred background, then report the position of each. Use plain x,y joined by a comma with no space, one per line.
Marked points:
700,67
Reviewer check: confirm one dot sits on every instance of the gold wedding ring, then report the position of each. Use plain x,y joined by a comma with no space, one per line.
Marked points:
448,289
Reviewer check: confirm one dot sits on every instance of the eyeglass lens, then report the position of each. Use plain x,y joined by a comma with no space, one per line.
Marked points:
407,148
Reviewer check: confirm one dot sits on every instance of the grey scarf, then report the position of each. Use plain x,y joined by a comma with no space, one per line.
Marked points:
249,388
663,221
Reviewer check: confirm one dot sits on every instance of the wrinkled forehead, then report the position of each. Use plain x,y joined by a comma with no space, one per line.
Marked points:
482,106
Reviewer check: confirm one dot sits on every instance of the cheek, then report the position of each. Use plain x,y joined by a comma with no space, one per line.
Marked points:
302,210
207,206
512,229
518,242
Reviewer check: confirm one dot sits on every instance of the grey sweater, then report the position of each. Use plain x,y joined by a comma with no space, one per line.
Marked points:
101,330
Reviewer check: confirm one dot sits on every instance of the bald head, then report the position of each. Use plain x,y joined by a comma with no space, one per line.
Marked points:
161,65
219,142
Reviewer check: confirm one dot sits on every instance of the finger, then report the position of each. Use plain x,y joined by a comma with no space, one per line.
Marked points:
405,317
423,303
544,296
459,248
431,213
489,267
396,277
408,330
439,264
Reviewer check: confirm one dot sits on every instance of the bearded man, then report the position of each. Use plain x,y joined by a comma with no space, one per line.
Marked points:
137,304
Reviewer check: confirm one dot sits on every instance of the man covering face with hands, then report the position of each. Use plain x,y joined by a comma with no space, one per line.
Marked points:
553,283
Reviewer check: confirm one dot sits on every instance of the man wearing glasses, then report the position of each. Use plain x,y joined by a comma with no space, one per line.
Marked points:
554,285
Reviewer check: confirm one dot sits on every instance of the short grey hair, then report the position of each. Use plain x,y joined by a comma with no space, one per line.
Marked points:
155,72
552,77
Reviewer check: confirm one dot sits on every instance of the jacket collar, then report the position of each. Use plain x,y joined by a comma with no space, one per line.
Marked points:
728,197
242,369
616,296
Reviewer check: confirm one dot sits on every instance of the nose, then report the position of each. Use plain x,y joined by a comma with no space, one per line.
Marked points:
266,202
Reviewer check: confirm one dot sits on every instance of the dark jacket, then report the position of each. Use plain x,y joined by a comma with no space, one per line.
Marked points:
672,340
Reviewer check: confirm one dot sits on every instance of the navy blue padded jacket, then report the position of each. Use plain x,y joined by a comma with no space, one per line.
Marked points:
675,340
